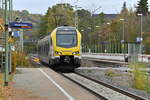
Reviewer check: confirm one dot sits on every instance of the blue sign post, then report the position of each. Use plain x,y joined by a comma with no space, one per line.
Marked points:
16,34
20,25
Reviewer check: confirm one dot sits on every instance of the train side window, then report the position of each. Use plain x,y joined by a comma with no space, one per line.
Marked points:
39,49
47,48
42,50
48,45
50,41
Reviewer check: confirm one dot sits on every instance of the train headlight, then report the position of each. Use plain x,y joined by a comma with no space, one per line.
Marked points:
74,53
58,53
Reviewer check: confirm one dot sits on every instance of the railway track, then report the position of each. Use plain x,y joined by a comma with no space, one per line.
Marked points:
100,89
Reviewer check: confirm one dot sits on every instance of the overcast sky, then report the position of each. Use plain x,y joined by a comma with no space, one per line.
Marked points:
40,6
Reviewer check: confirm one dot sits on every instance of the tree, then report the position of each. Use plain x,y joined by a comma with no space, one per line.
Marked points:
58,15
124,8
1,21
84,22
25,12
142,7
102,18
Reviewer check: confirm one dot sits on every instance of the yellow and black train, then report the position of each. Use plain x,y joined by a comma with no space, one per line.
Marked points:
63,45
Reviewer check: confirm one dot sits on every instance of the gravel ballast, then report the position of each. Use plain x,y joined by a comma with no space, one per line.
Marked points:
100,89
122,81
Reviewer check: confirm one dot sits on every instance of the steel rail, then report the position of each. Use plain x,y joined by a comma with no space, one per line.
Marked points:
91,91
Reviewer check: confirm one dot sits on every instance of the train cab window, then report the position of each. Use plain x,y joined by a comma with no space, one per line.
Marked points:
66,38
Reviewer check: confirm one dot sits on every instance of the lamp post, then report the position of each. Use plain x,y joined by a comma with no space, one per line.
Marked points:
123,31
141,36
89,30
6,45
76,16
83,43
10,44
89,38
108,33
76,13
109,39
83,35
123,37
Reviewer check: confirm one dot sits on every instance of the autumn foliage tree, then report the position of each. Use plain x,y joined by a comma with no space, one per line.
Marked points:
1,21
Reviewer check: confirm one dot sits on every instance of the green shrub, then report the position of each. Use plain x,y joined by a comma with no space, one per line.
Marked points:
147,88
14,61
20,60
140,76
110,72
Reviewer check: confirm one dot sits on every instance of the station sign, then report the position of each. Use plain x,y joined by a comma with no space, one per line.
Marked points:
20,25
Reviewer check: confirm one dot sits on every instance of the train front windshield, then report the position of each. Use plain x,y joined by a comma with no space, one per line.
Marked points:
66,39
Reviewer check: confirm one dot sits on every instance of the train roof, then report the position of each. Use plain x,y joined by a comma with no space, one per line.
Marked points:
58,28
66,28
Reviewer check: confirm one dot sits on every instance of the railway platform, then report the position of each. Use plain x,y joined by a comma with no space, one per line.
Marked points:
45,84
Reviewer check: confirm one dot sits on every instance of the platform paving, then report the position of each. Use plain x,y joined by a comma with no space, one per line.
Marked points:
45,84
33,81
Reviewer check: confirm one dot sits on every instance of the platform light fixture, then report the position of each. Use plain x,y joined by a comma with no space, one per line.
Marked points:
141,36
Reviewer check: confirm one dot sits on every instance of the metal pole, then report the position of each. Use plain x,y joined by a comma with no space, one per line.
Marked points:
10,9
141,39
3,7
141,46
108,36
9,64
3,4
141,31
76,16
123,32
123,36
10,19
6,47
10,60
21,40
0,3
124,40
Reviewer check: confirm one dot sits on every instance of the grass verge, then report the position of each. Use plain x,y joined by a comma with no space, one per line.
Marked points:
140,77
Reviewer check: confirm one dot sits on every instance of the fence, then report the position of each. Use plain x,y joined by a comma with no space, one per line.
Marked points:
115,48
106,48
